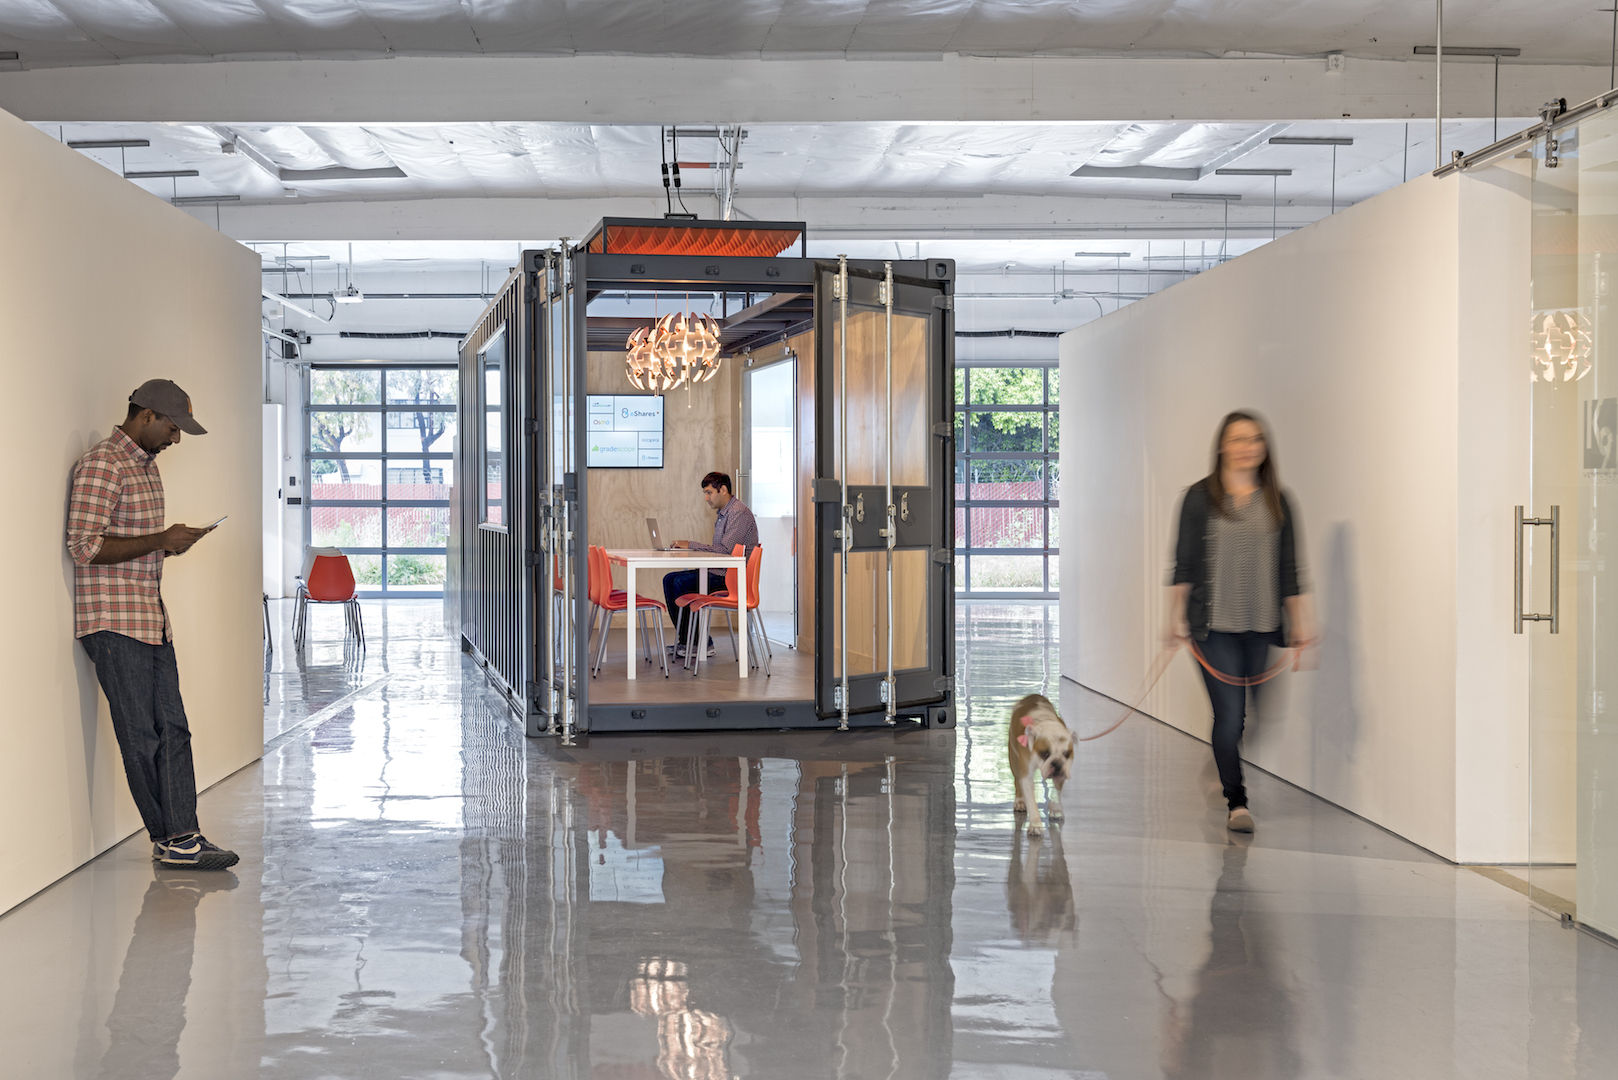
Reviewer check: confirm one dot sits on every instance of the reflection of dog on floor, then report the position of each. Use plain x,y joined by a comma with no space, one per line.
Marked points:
1038,742
1041,904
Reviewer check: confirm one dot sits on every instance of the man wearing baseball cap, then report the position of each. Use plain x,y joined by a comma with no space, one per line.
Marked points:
116,536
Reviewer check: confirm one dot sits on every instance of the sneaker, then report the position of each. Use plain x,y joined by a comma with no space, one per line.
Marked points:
1240,820
192,852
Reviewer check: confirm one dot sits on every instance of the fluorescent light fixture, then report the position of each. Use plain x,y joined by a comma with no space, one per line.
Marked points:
1137,172
163,173
188,200
279,299
350,295
339,172
1189,197
1310,140
1100,254
1467,50
106,144
1252,172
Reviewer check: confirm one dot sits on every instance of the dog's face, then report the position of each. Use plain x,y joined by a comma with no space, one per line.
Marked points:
1050,744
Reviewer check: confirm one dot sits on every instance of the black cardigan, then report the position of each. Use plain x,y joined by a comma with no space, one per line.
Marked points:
1191,556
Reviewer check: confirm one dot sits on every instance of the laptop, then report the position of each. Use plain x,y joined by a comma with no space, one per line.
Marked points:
657,541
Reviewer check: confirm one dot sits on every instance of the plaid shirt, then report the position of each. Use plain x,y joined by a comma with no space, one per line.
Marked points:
734,525
116,492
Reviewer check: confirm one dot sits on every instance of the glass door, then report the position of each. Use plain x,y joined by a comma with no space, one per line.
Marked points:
769,457
1569,601
883,563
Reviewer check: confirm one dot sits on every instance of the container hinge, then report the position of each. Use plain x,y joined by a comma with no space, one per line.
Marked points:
530,294
886,688
943,558
837,697
944,301
828,491
531,558
944,430
531,425
944,684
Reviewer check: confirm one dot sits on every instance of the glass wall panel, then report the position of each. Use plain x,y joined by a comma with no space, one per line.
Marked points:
1008,480
333,431
492,387
1008,527
418,526
345,526
344,478
345,386
415,573
1008,573
1573,828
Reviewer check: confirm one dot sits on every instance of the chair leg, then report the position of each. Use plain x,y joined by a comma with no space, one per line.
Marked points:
645,635
662,653
601,643
756,623
735,649
300,617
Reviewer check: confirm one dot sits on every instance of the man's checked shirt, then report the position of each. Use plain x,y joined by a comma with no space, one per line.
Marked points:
116,492
734,525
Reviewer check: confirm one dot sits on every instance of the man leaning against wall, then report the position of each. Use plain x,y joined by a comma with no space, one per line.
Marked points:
116,537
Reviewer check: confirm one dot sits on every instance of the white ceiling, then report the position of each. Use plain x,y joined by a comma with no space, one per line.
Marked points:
57,32
855,161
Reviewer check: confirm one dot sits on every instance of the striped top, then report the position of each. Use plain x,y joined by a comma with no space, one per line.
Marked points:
116,492
1244,557
734,525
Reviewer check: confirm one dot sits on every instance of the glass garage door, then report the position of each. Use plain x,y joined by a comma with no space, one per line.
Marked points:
378,446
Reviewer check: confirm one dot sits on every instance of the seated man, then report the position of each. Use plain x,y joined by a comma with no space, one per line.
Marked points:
734,525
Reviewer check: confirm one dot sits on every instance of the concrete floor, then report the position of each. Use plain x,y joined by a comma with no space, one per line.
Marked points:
426,893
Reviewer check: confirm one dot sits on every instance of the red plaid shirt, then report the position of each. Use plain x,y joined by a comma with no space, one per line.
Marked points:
116,492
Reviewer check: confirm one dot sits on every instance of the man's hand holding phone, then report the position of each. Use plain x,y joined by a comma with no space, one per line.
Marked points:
177,539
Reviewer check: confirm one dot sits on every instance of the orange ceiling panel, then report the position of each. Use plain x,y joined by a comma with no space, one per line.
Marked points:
693,240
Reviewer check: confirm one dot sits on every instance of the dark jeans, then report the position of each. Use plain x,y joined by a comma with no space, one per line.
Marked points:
677,585
142,683
1242,656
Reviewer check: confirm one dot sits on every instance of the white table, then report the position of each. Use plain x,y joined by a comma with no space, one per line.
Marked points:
633,559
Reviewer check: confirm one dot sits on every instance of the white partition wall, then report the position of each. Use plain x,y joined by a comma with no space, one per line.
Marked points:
1386,346
102,287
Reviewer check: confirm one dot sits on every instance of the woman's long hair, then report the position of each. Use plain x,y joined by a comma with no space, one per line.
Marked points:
1269,478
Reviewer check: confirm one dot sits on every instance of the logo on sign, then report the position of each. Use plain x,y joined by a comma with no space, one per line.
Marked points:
1600,425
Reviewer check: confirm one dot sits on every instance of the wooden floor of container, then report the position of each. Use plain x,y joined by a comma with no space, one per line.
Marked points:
792,678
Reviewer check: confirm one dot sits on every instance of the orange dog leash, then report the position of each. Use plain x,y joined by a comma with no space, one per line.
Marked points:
1166,657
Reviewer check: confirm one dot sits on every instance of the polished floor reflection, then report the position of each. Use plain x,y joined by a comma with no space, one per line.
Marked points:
426,893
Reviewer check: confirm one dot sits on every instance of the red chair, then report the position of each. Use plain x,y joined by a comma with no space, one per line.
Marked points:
328,579
702,608
610,601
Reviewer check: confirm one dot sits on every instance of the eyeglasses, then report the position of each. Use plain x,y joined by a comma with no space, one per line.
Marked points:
1244,440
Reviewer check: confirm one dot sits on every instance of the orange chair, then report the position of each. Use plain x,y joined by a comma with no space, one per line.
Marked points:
609,601
328,579
702,609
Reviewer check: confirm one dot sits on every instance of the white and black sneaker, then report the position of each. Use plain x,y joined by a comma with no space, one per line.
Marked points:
192,852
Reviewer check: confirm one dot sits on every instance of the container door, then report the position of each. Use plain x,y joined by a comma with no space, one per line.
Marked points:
883,492
555,447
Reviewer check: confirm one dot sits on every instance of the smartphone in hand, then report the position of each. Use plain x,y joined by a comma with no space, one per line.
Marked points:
215,525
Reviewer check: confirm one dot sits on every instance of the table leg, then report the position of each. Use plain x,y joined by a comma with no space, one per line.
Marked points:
629,627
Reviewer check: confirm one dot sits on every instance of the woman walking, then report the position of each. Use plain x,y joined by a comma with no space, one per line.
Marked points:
1237,589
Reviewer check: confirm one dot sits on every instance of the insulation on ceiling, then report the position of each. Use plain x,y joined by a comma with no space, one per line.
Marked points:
49,32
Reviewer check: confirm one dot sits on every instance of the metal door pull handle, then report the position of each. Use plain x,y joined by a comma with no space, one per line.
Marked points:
1556,572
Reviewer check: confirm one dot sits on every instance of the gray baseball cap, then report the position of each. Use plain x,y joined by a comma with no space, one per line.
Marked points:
164,397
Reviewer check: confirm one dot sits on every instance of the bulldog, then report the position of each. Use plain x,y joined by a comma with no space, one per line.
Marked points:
1039,743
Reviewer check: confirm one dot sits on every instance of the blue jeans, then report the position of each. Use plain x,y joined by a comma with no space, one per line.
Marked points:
142,684
677,585
1243,656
